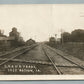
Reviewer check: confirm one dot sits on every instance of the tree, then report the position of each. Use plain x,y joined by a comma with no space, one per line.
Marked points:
65,37
18,40
52,41
77,35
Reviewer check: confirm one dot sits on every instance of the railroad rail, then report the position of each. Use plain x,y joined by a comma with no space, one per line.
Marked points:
15,50
38,62
66,58
15,53
29,61
51,60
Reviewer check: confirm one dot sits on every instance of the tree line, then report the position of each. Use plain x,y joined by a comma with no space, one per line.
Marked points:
75,36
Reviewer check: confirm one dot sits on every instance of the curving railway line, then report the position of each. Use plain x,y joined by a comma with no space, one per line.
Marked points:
51,60
58,58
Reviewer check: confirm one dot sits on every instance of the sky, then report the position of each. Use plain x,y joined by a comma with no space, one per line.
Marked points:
41,21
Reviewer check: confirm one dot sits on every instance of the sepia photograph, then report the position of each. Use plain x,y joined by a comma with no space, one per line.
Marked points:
42,39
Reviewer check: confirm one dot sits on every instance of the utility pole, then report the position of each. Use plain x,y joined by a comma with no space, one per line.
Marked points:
2,31
62,39
56,37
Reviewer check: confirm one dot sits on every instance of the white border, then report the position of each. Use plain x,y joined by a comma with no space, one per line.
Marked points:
41,77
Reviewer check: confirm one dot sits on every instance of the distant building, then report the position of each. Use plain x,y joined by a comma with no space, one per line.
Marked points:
4,41
30,42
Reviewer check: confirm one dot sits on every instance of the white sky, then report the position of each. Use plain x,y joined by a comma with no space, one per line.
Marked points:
41,21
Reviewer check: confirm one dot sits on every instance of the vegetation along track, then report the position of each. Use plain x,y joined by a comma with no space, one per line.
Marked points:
15,53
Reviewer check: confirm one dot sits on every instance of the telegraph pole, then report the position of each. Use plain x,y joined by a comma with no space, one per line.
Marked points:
56,37
62,39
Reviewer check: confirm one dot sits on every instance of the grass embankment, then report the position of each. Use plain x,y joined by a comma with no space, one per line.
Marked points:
75,49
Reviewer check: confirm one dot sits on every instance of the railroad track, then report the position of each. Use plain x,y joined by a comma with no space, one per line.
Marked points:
29,61
51,58
15,50
37,62
53,63
15,53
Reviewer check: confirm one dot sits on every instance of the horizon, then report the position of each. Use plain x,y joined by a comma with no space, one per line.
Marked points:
2,31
